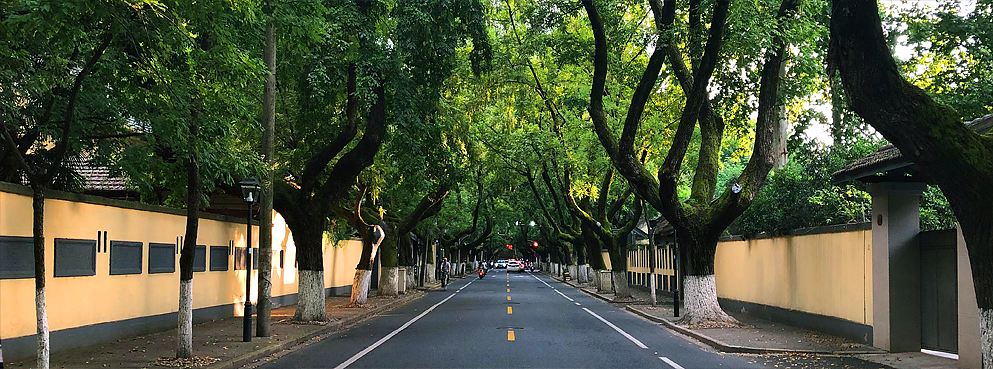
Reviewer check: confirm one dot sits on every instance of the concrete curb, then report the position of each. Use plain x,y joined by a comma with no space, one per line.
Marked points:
332,327
725,347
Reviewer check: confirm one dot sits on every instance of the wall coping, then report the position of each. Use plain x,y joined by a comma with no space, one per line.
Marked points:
837,228
97,200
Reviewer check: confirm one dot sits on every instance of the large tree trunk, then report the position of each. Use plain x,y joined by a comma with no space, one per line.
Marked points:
389,281
363,270
699,285
620,280
310,293
388,263
41,313
184,331
360,286
619,266
264,305
309,239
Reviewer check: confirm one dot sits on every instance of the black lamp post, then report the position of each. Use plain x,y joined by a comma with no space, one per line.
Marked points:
250,192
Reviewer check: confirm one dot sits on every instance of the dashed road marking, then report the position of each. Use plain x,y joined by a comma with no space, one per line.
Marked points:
510,335
508,298
670,362
563,295
510,310
369,349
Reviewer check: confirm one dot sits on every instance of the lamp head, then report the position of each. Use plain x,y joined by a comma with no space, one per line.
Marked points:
250,189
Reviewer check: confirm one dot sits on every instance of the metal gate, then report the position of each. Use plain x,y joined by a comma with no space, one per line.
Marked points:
939,291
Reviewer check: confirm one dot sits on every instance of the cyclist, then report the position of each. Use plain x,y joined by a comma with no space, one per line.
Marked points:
446,268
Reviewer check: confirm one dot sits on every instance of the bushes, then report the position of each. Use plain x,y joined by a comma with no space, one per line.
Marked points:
803,195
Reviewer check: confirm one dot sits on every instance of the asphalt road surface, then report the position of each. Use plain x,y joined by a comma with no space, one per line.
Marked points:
522,320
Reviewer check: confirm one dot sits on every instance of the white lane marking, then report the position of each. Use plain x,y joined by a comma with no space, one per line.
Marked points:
369,349
556,291
566,297
625,334
577,304
671,363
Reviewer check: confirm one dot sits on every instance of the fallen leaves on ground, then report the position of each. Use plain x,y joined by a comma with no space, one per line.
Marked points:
194,362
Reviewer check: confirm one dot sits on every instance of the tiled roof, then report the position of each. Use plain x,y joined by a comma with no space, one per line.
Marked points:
98,178
889,157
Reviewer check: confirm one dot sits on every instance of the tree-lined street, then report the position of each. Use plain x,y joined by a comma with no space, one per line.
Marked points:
520,320
559,131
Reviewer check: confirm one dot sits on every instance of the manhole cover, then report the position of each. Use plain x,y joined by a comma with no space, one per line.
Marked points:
518,328
512,303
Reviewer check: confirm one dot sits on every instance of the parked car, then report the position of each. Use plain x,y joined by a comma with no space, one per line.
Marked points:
500,264
515,266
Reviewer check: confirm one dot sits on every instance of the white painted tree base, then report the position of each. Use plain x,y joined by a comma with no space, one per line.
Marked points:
581,275
700,304
184,334
41,318
604,285
310,302
429,273
360,286
986,336
620,279
573,271
411,284
388,280
591,274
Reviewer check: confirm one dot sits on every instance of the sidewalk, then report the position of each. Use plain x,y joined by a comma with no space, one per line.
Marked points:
766,337
218,344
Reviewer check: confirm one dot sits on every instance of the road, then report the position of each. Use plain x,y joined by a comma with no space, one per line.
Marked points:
521,320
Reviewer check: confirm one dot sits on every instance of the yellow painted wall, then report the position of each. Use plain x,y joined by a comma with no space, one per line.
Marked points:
827,274
80,301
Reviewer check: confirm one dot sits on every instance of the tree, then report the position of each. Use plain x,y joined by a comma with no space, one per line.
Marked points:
264,306
702,218
929,133
55,91
187,87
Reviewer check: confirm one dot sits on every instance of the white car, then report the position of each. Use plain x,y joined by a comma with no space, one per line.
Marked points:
500,264
515,266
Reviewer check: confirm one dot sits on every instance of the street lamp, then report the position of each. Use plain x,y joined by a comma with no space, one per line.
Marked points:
250,193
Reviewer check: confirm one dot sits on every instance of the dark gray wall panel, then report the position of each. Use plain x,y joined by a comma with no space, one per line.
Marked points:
219,258
200,259
16,257
75,258
161,258
125,257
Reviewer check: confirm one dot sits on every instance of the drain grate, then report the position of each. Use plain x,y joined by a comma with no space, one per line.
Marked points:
512,303
515,328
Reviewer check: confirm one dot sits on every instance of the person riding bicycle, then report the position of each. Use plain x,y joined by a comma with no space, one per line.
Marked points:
446,267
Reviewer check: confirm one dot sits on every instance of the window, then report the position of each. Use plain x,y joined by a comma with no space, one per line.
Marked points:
75,258
219,258
125,257
200,258
161,258
16,257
